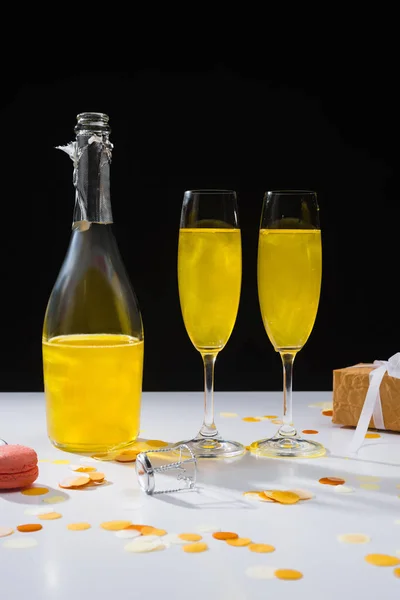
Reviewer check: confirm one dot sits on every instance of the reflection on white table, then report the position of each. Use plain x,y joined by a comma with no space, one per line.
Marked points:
93,563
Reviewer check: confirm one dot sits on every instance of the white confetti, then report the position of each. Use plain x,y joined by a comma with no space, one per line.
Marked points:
136,546
6,531
173,538
38,510
343,489
397,522
228,415
207,528
261,572
18,542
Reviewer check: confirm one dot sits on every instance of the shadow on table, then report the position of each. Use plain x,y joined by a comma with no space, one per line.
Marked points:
18,498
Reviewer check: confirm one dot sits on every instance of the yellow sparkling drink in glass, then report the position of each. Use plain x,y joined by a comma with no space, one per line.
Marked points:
93,385
209,277
289,282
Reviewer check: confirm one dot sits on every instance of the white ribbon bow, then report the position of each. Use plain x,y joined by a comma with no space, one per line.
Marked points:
372,404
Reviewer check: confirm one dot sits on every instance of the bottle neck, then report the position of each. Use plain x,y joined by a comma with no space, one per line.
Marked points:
92,179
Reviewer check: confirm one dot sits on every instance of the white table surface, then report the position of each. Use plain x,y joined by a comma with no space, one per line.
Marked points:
93,563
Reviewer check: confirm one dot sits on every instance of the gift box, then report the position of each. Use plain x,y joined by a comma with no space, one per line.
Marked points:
380,382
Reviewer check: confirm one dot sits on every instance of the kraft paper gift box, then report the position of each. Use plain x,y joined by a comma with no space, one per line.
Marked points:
381,382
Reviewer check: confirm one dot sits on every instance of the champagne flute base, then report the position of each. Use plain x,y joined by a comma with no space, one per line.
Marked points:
212,448
287,447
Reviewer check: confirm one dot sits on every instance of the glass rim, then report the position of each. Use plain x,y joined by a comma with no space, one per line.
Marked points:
210,191
292,192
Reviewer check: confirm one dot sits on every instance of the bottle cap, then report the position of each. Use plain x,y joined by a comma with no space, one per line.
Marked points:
150,477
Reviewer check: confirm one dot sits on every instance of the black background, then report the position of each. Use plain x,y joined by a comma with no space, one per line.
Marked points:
251,121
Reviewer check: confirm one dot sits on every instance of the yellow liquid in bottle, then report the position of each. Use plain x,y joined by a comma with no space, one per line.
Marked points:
209,276
93,387
289,282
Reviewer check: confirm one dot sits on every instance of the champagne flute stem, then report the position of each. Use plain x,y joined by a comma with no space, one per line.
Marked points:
287,429
208,428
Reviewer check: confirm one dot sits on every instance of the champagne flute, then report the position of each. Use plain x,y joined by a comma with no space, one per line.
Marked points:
209,279
289,283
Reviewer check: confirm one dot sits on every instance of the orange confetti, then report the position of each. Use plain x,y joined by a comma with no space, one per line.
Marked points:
51,516
310,431
195,548
156,443
97,477
251,419
153,531
190,537
382,560
239,542
372,436
277,421
396,572
29,527
127,456
115,525
288,574
261,548
224,535
271,417
35,491
74,482
332,481
137,527
327,413
283,497
78,526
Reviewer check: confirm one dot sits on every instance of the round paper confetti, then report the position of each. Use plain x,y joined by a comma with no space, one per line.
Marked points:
190,537
353,538
261,572
153,531
61,461
343,489
127,456
310,431
172,538
277,421
251,419
51,516
156,443
146,539
397,522
126,534
6,531
82,469
207,528
283,497
35,491
224,535
382,560
228,415
263,498
396,572
96,477
115,525
78,526
288,574
104,456
271,417
34,511
332,481
372,436
239,542
327,413
368,478
303,494
261,548
20,542
140,547
195,548
369,486
30,527
253,495
75,482
54,500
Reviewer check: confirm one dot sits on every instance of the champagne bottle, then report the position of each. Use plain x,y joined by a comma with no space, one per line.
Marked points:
93,332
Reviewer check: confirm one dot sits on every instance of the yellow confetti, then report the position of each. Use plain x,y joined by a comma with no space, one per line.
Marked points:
153,531
44,460
261,548
239,542
251,419
277,421
115,525
78,526
396,572
51,516
303,494
372,436
353,538
35,491
369,486
195,548
54,499
96,477
75,482
228,415
382,560
283,497
156,443
82,469
61,461
127,456
288,574
190,537
368,478
271,417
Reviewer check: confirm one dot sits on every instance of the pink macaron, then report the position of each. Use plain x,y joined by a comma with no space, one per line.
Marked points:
18,466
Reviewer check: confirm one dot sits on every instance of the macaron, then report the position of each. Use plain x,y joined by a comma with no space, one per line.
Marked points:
18,466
